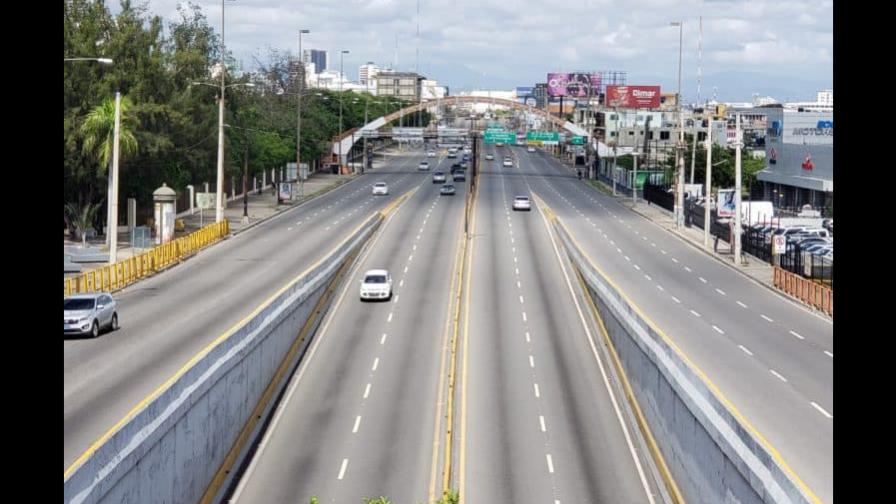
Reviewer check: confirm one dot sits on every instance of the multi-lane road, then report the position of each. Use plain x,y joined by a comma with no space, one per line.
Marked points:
537,415
168,318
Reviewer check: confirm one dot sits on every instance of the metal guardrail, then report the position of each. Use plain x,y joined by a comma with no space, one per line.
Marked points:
125,272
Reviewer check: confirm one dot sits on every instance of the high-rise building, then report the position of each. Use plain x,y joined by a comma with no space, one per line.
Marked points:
367,74
826,97
318,57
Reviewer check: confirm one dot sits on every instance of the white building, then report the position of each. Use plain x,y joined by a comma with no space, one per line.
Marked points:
824,102
430,90
480,108
826,97
367,74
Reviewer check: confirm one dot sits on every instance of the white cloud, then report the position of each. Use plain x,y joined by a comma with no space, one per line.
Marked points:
523,39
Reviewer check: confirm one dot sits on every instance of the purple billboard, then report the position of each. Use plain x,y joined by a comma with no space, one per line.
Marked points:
576,85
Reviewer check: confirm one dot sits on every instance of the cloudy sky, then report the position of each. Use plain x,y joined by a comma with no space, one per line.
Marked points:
782,48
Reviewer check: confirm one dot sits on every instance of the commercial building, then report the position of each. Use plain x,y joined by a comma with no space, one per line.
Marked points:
367,74
318,57
405,85
799,156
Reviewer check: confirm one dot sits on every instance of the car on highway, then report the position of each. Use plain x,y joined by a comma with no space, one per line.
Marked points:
376,284
467,150
88,314
452,154
431,154
459,176
489,157
499,144
438,177
530,149
522,203
508,163
447,189
423,166
380,188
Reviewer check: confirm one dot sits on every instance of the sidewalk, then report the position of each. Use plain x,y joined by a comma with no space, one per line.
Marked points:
262,205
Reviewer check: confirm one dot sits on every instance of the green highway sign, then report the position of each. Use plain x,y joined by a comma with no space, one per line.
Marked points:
577,140
495,136
543,136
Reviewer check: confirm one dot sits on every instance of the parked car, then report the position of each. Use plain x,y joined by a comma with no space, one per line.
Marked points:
89,314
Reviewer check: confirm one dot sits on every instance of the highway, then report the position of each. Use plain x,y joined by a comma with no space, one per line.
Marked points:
360,416
168,318
539,424
770,357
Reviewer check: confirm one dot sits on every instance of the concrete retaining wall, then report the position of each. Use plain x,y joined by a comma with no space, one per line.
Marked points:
712,456
169,450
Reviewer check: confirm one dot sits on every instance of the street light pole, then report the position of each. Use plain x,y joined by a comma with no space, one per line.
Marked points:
738,144
219,186
341,77
113,203
706,200
679,158
299,114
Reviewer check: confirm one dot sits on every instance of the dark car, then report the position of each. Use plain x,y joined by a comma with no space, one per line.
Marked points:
455,167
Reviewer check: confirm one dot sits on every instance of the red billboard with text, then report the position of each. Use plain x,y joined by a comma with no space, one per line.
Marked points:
633,96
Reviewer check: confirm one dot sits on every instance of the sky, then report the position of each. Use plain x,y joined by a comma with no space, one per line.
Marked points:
779,48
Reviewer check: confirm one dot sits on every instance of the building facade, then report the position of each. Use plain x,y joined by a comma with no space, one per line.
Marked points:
367,74
404,85
799,156
318,57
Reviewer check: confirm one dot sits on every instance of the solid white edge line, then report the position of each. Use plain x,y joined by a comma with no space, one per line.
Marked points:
603,373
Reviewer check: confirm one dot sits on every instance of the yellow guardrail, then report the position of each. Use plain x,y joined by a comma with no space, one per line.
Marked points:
125,272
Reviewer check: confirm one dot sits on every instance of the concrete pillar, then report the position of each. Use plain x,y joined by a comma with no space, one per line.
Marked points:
192,198
255,184
232,187
206,187
264,179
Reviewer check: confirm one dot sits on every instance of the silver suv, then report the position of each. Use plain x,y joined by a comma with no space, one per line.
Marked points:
89,313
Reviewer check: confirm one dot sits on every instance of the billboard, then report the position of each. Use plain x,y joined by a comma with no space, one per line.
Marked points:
726,205
576,85
633,96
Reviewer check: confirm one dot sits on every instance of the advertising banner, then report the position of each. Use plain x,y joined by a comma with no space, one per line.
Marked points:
633,96
575,85
725,206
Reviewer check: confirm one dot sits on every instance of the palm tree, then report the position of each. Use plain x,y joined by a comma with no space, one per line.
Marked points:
98,131
81,218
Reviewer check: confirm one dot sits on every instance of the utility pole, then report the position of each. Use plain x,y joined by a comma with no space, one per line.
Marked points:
113,203
219,196
299,114
706,200
680,147
738,144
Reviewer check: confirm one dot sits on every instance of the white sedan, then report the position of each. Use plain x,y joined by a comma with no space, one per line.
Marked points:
522,203
424,165
431,154
376,284
380,188
530,149
508,163
489,157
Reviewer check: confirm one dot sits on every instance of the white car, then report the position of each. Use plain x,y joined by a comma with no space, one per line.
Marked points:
89,314
438,177
522,203
423,166
380,188
508,163
467,150
489,157
376,284
530,149
431,154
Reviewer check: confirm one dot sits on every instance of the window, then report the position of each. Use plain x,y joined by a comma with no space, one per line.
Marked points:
631,133
664,135
701,136
612,133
